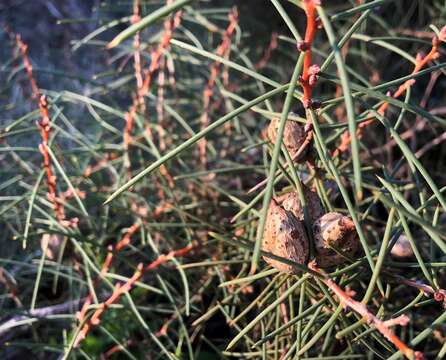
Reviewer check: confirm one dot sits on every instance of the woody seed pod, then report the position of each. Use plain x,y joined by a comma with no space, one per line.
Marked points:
402,247
52,244
293,135
291,202
284,236
334,231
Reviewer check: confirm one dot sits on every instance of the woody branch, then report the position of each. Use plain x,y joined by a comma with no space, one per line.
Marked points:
222,50
420,62
44,125
144,83
111,252
121,289
382,326
308,78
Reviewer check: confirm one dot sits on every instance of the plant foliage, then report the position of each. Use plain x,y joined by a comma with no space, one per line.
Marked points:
134,199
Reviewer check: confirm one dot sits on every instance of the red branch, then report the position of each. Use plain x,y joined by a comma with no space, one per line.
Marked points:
421,62
44,125
144,87
121,289
28,66
233,86
309,71
45,129
10,284
116,349
267,55
170,24
112,251
138,102
439,295
382,326
137,45
223,50
308,79
160,104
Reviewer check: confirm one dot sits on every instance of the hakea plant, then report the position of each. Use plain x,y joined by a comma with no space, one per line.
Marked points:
234,186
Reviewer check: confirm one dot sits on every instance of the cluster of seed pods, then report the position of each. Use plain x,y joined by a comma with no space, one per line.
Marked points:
334,234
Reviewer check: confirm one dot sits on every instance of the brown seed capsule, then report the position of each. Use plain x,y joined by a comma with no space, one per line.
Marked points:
51,244
402,248
334,231
291,202
284,236
293,135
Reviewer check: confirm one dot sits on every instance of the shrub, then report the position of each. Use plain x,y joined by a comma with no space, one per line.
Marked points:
135,198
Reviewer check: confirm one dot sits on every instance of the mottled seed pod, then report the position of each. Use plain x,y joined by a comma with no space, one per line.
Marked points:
291,202
402,248
293,135
52,244
284,236
334,231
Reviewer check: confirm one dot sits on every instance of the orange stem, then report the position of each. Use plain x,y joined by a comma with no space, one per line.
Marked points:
309,71
144,84
106,266
382,326
421,62
121,289
44,125
222,50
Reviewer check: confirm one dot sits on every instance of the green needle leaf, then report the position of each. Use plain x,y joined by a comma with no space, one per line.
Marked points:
146,21
193,140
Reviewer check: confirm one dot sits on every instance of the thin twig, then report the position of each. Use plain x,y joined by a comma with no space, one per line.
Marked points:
170,24
439,295
44,125
222,50
382,326
308,78
111,252
121,289
421,62
269,51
